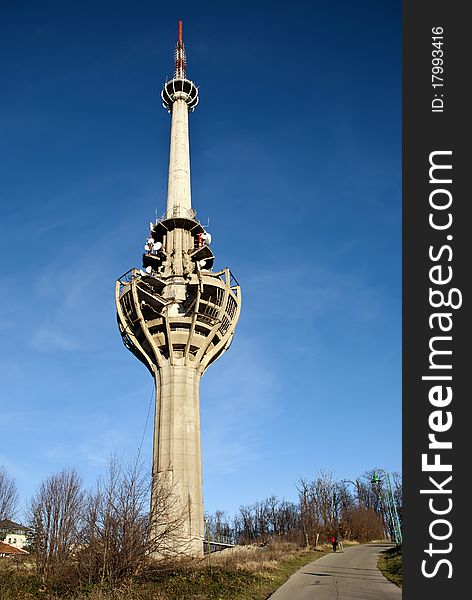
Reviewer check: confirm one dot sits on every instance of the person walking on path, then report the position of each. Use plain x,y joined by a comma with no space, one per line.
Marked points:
334,541
353,574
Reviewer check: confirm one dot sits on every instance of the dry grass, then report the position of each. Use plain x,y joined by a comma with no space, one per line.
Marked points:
240,573
251,558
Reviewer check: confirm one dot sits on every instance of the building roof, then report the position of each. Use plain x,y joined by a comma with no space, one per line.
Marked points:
8,549
6,524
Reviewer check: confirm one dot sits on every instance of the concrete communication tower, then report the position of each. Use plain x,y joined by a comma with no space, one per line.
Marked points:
178,316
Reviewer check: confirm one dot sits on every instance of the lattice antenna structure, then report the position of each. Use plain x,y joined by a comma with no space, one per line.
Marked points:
180,57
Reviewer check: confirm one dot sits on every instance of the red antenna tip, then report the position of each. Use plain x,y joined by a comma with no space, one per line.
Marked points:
180,31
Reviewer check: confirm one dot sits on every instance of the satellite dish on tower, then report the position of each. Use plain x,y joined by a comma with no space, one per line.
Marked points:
157,246
208,238
148,269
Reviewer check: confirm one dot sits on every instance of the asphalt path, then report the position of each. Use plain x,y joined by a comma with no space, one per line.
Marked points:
348,575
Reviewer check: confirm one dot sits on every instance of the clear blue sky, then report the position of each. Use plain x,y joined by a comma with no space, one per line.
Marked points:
296,162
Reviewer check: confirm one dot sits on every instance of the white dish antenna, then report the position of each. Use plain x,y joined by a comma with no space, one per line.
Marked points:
202,263
157,246
148,270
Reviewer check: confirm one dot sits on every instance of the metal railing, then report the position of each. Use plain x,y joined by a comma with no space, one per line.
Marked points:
178,212
227,540
232,280
127,278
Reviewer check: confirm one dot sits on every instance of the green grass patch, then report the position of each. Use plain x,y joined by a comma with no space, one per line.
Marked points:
391,565
201,584
288,567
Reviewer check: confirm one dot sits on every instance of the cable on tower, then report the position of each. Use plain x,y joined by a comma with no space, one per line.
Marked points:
151,399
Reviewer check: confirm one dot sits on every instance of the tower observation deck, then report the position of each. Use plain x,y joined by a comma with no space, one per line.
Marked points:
177,316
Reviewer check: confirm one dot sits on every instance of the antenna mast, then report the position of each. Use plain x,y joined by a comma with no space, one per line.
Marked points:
180,58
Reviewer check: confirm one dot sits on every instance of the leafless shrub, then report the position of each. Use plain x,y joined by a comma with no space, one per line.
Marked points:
119,531
167,537
365,524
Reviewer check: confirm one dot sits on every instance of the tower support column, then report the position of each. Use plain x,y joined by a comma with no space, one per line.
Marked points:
177,454
178,187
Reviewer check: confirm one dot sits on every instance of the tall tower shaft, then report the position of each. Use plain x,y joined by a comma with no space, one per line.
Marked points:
178,316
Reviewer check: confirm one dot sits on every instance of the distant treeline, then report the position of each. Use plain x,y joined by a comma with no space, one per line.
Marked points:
352,510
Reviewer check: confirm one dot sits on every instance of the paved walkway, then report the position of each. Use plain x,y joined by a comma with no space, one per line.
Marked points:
348,575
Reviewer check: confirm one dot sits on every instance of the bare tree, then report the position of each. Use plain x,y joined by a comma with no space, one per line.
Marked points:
114,532
320,505
308,518
270,518
8,495
55,515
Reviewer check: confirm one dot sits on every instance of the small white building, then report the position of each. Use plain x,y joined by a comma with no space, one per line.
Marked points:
14,534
